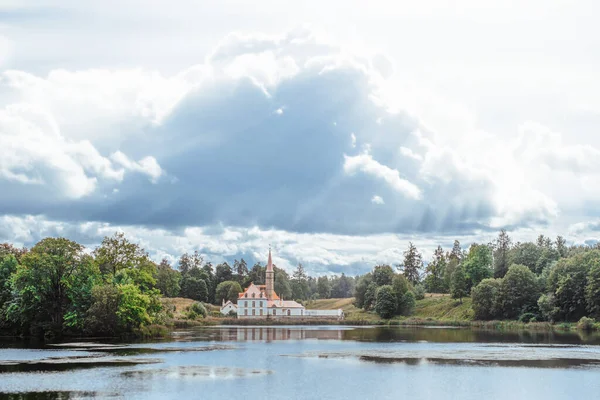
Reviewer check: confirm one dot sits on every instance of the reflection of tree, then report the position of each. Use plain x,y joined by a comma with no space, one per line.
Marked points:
59,395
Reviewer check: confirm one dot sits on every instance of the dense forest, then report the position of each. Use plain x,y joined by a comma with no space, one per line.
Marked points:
58,287
542,281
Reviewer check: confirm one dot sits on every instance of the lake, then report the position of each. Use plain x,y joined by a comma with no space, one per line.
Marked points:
316,362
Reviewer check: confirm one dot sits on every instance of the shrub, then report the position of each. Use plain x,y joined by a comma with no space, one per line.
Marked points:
419,292
460,283
386,302
547,308
528,317
199,309
408,303
586,324
485,298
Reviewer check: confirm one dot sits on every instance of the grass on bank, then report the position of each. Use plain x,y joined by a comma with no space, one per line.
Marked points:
432,307
433,310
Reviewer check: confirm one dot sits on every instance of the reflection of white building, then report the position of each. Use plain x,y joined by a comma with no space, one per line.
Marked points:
261,301
228,307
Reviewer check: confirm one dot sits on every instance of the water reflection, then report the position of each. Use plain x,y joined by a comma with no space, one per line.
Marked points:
387,334
55,395
315,362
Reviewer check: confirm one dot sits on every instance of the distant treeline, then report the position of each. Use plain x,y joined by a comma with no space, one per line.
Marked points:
542,281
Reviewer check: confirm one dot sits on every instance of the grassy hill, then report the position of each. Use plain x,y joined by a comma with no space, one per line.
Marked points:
433,306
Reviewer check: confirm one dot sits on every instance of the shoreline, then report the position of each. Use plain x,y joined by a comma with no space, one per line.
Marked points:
164,331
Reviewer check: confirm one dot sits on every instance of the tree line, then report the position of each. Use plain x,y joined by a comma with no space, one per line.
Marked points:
57,287
196,279
545,280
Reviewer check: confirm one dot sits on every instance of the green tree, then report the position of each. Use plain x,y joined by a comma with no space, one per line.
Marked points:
101,318
401,287
518,292
228,290
256,275
478,264
525,254
323,287
413,264
196,289
299,284
241,270
568,281
408,303
456,253
548,256
386,302
561,246
45,283
460,283
361,289
485,298
8,249
167,279
370,296
435,270
501,254
592,290
223,273
342,288
117,252
187,262
8,266
383,275
132,312
282,283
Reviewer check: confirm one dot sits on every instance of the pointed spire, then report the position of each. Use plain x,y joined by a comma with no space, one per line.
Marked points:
269,261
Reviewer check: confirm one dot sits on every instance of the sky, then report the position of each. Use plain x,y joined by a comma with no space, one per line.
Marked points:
336,131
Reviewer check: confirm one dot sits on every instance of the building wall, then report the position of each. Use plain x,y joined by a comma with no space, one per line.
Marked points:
323,313
286,312
252,308
225,310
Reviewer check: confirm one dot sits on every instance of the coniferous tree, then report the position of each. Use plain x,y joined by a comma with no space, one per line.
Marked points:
436,270
412,265
501,254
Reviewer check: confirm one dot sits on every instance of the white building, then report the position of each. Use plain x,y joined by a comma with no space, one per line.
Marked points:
261,301
228,307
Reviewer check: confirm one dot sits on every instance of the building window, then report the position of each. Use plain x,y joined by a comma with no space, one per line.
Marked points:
253,312
261,312
253,304
260,303
253,295
246,303
246,295
274,312
245,312
289,312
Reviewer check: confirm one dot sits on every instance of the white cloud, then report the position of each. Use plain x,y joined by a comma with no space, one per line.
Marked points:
406,152
377,200
198,121
366,164
147,165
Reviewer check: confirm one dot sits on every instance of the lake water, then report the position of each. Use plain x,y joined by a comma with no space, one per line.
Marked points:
328,362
